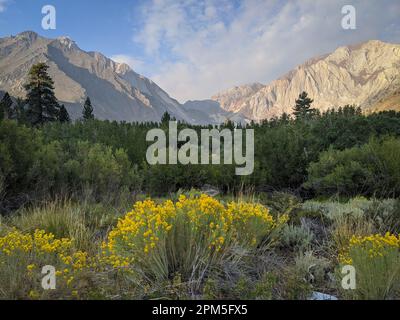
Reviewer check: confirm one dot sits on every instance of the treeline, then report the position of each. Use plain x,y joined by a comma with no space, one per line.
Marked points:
45,155
338,152
41,105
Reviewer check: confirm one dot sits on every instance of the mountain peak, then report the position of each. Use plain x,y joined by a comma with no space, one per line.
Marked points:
365,46
66,40
31,36
116,93
122,68
27,33
369,44
360,74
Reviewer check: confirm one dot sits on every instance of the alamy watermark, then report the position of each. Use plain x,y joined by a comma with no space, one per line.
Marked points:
349,277
349,21
49,20
200,151
49,280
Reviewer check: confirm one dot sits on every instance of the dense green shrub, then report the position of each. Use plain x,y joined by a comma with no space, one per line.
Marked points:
18,148
100,168
37,169
284,148
102,155
372,169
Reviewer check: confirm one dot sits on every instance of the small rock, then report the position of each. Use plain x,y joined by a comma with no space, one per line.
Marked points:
210,190
322,296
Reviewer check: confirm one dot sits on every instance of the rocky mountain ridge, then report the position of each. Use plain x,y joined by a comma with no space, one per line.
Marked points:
363,75
117,92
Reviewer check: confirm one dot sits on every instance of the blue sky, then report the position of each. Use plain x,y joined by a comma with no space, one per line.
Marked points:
195,48
97,25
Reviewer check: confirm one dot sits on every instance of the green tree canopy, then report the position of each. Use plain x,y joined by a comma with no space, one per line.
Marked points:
42,105
87,110
6,110
20,111
166,118
63,116
302,109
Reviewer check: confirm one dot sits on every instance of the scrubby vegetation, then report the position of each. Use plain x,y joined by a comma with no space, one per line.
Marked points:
200,247
68,183
77,196
338,153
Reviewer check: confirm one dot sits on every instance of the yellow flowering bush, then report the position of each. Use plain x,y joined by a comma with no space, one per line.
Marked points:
150,246
187,237
22,255
373,246
376,259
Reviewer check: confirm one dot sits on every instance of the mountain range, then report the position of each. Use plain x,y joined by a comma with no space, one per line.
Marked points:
366,75
117,92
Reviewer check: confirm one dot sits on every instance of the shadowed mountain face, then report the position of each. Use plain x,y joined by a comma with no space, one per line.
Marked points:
367,75
116,91
208,111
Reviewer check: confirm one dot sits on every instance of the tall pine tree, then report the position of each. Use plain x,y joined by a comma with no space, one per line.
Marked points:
63,116
6,107
42,105
166,118
303,109
20,111
88,110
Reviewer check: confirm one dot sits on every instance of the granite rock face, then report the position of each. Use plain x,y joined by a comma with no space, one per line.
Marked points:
365,75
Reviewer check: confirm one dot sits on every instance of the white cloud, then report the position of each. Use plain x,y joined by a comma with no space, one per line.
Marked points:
134,63
3,4
198,48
